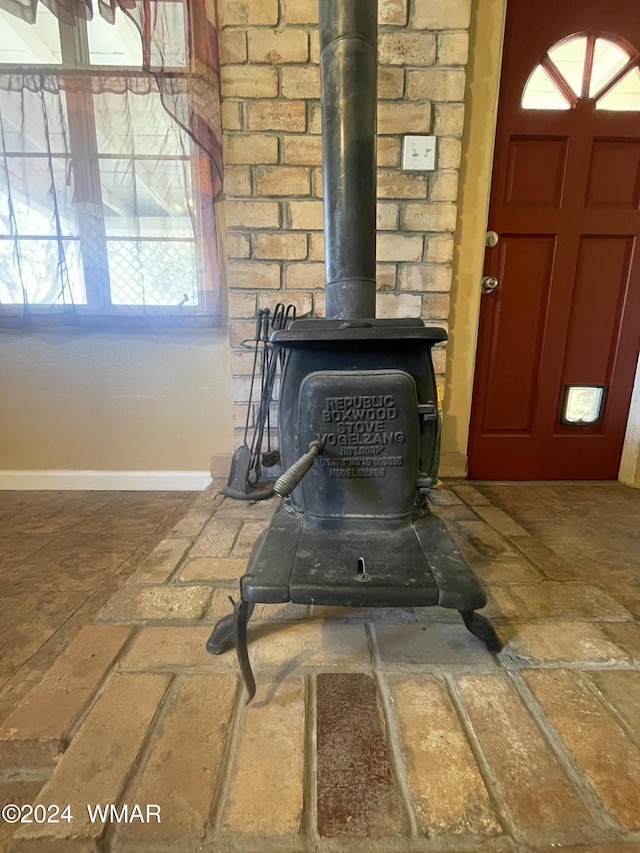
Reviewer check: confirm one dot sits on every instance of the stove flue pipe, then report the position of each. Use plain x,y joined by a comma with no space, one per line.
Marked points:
349,67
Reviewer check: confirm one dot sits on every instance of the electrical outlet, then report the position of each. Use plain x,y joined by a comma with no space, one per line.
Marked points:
418,153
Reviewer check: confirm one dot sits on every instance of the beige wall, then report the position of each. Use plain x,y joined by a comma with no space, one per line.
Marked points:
483,80
630,463
118,402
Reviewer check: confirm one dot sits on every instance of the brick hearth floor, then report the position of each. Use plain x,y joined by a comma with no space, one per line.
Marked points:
372,730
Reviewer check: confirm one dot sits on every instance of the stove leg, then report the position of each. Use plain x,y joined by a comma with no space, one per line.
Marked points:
241,613
481,628
221,639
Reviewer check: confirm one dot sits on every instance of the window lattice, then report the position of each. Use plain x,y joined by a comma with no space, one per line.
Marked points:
585,67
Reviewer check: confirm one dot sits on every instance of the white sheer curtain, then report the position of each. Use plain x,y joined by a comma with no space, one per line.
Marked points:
108,175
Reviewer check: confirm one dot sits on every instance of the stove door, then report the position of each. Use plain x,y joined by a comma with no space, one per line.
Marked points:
368,421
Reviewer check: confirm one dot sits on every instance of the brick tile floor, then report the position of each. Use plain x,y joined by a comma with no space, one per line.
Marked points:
390,731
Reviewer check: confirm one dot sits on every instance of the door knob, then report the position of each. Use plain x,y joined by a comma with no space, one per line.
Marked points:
491,239
489,283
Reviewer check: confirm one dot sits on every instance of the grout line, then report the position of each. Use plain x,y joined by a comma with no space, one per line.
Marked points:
587,681
17,775
107,677
393,736
309,827
507,539
108,837
592,802
49,639
486,773
243,521
225,768
539,567
175,573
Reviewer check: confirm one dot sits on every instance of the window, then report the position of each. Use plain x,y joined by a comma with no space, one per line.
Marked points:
585,67
106,200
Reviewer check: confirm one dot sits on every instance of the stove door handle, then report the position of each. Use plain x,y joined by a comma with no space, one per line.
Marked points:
285,484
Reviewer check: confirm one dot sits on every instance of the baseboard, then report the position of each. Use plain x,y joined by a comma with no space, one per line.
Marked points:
168,481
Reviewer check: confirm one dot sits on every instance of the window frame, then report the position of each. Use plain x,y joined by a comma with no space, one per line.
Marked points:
99,311
565,89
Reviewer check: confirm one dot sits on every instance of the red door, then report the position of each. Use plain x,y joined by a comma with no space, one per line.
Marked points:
559,336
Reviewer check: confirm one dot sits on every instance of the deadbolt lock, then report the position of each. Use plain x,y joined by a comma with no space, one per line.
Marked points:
489,283
491,239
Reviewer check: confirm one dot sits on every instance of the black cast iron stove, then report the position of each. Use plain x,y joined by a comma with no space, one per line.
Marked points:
358,403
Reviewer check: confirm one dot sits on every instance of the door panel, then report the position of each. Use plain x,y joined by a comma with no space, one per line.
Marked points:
595,317
536,170
510,399
566,201
614,174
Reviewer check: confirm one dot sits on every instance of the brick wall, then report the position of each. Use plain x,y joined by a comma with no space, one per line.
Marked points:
272,151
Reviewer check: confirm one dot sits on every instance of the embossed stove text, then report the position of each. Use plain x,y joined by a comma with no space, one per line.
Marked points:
360,433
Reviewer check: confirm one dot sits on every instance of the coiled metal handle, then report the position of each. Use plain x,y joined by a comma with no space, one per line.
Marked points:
285,484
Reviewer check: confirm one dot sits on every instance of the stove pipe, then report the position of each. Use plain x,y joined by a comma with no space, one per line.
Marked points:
348,67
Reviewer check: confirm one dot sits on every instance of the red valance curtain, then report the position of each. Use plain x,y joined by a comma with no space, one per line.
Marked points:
109,172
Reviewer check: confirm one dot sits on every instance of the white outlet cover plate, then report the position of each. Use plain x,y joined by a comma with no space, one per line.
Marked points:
418,153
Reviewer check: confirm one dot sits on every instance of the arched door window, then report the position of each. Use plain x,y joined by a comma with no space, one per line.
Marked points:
585,67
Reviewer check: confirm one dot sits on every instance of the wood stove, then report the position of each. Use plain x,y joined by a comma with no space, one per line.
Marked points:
358,403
